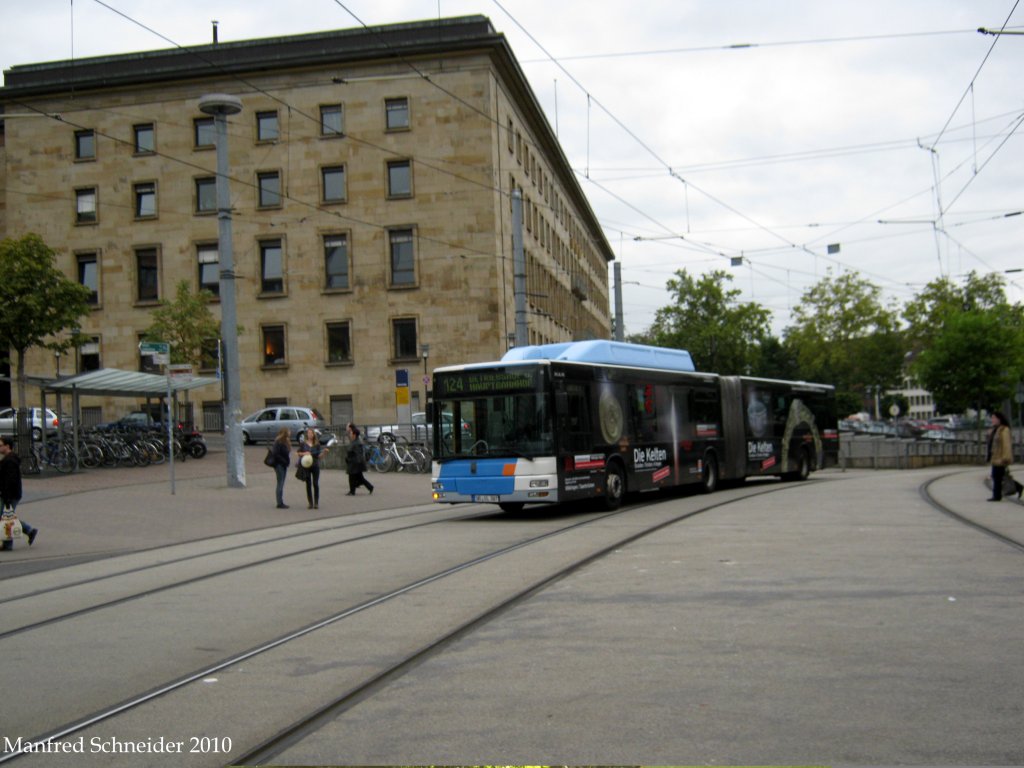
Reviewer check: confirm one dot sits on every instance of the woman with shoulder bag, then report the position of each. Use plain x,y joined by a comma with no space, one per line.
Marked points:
313,448
1000,454
280,451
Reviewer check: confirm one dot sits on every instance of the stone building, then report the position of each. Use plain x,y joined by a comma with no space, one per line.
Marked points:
371,177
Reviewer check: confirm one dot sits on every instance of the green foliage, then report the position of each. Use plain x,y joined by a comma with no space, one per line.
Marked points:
927,312
842,334
38,301
707,320
974,361
186,324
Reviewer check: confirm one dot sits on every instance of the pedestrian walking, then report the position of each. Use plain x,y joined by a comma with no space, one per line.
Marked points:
10,489
280,452
355,462
1000,455
312,447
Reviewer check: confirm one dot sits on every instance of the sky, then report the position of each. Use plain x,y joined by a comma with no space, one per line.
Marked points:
780,142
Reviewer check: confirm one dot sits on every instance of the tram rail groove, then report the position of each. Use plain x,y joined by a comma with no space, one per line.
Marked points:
210,575
925,491
368,687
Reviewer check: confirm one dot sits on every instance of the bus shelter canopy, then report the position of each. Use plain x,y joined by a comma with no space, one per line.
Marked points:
117,383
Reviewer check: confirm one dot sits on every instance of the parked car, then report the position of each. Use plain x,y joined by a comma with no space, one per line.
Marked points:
418,431
133,420
9,425
265,423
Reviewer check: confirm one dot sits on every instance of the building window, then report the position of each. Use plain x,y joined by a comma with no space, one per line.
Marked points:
145,139
147,271
396,114
403,262
333,184
269,184
332,120
339,343
399,178
271,267
273,346
145,200
206,195
85,206
89,356
85,145
89,276
208,259
266,126
205,132
336,261
403,332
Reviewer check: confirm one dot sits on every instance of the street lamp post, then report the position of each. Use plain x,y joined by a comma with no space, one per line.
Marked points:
220,105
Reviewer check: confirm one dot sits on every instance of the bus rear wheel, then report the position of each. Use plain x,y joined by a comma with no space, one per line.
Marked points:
803,467
709,474
614,487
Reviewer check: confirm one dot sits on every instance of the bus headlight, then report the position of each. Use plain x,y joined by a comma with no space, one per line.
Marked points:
539,483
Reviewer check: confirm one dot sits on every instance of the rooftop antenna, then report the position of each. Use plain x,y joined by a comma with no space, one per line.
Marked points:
215,23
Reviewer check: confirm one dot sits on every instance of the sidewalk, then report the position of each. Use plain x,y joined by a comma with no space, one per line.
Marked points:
98,512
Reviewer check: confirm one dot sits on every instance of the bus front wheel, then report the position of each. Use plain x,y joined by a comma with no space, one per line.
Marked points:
614,486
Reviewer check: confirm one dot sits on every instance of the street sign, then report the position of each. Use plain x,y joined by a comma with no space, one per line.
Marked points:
154,348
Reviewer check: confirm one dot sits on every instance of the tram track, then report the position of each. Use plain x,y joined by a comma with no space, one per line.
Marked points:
409,658
964,518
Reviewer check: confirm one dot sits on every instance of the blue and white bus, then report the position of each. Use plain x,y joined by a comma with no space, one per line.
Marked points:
598,419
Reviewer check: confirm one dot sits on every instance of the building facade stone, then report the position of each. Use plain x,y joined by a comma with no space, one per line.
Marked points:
371,174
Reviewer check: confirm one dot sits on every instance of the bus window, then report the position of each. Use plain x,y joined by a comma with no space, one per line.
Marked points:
579,433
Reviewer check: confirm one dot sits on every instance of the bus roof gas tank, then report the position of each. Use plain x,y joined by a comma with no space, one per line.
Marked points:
602,352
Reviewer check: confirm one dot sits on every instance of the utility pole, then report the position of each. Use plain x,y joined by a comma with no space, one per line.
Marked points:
220,105
519,269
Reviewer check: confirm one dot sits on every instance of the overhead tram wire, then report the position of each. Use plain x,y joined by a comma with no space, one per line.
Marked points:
642,143
745,46
970,85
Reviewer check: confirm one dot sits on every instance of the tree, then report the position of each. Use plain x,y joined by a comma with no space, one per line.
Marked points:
186,324
38,303
721,334
975,360
926,313
842,334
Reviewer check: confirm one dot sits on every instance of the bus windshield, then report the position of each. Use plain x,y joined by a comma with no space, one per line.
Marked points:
514,423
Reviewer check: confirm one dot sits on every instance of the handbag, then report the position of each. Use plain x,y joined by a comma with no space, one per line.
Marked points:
1009,484
301,473
269,458
10,526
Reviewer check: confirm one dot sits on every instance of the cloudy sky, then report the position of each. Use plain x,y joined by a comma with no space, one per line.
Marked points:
794,137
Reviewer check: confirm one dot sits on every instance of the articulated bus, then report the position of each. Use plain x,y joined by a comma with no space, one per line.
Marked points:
598,419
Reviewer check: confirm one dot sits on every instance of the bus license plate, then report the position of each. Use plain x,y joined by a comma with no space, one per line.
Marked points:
486,498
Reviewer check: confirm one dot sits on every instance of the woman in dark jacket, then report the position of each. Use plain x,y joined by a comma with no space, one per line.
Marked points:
355,462
281,453
10,488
